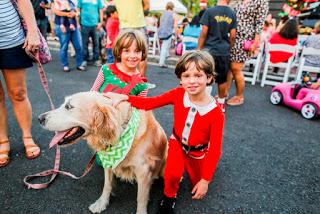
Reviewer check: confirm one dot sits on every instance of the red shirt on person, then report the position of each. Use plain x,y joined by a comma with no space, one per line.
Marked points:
112,27
281,56
195,125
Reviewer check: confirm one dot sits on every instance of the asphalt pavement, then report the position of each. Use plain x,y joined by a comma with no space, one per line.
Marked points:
270,161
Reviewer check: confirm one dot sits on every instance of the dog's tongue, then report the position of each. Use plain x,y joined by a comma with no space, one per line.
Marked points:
57,137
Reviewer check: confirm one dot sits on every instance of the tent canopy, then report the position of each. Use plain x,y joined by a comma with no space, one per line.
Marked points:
160,5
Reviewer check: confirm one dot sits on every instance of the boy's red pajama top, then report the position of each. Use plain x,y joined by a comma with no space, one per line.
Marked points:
194,125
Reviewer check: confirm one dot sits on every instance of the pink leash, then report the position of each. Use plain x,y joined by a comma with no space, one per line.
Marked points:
55,170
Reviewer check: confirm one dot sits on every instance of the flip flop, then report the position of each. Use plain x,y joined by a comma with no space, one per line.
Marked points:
235,101
32,150
4,154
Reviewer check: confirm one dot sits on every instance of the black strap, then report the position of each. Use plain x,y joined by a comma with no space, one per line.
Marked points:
187,148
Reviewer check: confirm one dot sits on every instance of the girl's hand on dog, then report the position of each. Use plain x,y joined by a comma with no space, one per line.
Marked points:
116,98
200,189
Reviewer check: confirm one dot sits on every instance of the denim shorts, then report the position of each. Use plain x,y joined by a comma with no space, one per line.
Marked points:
14,58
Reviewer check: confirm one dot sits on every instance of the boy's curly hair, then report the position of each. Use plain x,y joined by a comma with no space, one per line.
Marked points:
125,40
203,61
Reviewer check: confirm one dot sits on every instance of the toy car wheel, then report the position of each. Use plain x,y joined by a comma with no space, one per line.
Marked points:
309,110
276,97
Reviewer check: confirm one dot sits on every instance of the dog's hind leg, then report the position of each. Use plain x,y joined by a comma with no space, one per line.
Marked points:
102,203
144,180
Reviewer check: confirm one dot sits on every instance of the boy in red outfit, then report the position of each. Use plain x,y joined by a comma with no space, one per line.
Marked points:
196,142
112,28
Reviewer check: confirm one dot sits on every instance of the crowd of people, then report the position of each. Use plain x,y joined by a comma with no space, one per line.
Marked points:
118,26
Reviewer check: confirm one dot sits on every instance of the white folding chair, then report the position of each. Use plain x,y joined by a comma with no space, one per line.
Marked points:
256,62
307,51
153,41
272,79
301,40
187,39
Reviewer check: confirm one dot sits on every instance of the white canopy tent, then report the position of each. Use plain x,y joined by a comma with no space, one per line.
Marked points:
160,5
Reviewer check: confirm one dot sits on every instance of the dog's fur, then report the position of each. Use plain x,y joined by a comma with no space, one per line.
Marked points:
103,124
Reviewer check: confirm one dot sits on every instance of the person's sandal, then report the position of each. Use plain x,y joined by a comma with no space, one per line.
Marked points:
235,101
4,154
32,150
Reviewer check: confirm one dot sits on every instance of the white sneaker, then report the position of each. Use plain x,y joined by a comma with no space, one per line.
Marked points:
84,64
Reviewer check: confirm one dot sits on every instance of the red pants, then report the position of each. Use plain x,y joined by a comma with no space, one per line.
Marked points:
177,162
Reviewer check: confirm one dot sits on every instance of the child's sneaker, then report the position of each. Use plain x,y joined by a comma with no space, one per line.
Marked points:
166,205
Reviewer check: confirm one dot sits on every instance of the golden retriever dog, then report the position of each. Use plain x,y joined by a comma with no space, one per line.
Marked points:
101,124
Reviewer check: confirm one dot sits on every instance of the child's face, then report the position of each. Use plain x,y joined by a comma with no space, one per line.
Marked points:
114,15
131,57
194,81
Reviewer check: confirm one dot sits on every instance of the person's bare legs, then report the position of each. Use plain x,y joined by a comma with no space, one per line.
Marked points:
222,90
3,118
17,92
4,143
229,82
236,69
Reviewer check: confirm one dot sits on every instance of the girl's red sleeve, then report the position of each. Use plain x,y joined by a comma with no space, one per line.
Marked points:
148,103
215,148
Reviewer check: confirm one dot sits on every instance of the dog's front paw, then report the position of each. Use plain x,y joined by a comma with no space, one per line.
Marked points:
98,206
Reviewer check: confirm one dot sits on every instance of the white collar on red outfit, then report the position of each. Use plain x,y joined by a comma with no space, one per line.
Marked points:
201,109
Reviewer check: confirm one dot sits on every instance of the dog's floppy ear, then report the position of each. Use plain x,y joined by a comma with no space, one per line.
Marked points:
105,127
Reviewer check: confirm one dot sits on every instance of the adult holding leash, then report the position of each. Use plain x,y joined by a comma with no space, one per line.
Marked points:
251,15
13,62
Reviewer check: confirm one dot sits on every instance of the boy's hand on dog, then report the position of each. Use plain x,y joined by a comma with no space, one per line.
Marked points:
116,98
200,189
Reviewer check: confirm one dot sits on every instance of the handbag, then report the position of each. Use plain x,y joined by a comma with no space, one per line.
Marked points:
44,55
246,45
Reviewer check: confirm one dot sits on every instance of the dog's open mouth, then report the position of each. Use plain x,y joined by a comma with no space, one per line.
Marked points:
65,137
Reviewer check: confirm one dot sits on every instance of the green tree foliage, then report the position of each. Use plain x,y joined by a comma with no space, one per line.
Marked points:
193,5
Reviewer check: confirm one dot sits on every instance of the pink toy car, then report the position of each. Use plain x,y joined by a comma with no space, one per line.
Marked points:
286,93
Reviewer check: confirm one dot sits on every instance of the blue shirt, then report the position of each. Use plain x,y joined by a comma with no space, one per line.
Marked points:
89,12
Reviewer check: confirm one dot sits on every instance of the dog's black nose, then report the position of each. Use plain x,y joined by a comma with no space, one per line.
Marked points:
42,119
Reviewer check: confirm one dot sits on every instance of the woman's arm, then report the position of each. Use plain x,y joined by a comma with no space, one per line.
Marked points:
32,38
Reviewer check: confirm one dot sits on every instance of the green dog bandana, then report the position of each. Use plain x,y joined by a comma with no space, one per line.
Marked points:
113,155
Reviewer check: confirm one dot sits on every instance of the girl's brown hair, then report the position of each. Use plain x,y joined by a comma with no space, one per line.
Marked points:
125,40
203,61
